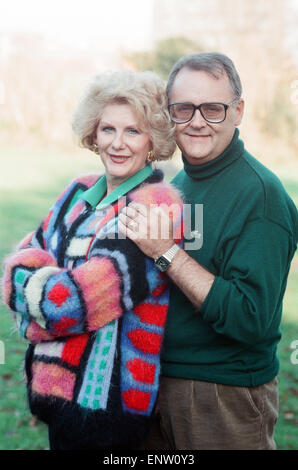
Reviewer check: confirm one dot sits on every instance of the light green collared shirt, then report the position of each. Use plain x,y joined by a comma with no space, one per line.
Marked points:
98,190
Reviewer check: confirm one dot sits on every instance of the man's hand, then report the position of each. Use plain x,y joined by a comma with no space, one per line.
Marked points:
151,228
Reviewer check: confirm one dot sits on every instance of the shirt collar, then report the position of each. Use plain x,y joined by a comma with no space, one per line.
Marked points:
95,195
232,152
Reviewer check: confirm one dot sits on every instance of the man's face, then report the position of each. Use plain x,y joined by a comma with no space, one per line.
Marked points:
199,140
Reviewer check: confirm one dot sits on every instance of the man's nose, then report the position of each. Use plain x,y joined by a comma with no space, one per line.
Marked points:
198,120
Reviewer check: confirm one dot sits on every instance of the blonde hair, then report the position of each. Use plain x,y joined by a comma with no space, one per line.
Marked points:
144,91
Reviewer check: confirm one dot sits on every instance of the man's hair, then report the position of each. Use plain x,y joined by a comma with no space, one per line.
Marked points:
211,62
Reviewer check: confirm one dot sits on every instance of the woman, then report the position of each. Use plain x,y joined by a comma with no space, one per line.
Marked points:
91,304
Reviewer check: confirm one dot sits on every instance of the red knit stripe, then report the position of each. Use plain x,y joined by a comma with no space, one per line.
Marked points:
145,341
153,314
141,371
160,289
58,294
47,220
74,348
61,326
179,230
136,400
111,213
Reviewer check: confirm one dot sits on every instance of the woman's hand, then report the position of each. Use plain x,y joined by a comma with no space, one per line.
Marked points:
150,228
29,258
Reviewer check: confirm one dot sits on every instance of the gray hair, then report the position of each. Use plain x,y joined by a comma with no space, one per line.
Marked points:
211,62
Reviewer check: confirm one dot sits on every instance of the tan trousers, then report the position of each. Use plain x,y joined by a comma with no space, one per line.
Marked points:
194,415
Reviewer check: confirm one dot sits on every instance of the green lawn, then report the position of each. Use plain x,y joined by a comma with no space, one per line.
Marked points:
29,184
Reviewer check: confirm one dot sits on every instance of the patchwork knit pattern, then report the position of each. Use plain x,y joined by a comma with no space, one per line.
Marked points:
61,305
55,368
51,379
101,288
142,335
94,307
20,279
31,258
95,388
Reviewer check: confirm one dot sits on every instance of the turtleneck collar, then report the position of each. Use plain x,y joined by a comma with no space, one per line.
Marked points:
233,151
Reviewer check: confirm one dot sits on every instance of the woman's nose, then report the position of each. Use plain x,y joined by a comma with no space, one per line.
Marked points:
118,141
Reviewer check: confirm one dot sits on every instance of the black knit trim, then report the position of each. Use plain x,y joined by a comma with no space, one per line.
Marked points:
156,177
65,205
13,295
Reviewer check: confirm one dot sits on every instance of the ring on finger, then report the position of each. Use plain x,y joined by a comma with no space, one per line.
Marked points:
132,225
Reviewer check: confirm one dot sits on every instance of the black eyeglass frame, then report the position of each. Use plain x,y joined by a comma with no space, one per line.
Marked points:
195,107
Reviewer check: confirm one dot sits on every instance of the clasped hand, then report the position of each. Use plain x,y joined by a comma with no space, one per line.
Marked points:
150,228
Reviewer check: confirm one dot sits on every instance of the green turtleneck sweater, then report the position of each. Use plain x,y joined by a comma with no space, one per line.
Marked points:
249,238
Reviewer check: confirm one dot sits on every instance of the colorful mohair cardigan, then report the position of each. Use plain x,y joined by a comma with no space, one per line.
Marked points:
95,323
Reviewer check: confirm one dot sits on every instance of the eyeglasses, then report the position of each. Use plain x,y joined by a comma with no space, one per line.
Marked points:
211,112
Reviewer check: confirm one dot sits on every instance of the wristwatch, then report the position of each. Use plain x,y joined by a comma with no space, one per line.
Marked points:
164,261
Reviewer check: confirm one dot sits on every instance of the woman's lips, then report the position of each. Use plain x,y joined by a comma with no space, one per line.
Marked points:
119,159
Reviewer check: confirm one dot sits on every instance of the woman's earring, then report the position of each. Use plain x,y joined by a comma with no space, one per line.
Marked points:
151,156
95,149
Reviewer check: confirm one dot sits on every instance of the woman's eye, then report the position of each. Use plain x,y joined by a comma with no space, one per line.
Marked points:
133,131
106,129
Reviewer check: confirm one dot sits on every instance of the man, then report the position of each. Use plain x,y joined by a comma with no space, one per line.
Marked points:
218,385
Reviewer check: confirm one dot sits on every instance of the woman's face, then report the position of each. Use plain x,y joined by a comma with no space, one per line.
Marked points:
122,143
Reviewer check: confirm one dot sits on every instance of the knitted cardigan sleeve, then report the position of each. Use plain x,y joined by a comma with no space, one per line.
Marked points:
52,301
27,270
62,301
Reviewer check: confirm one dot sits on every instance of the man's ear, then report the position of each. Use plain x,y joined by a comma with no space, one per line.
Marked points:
239,112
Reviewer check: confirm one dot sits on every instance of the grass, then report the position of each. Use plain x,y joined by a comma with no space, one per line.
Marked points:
25,196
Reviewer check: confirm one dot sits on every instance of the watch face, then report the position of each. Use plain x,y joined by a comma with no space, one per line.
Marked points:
162,263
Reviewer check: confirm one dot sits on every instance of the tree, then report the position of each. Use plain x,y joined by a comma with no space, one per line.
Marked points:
164,55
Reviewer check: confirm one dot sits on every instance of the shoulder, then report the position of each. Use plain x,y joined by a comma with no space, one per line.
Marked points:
160,193
82,182
66,198
262,180
73,189
87,180
165,196
259,172
268,191
69,194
